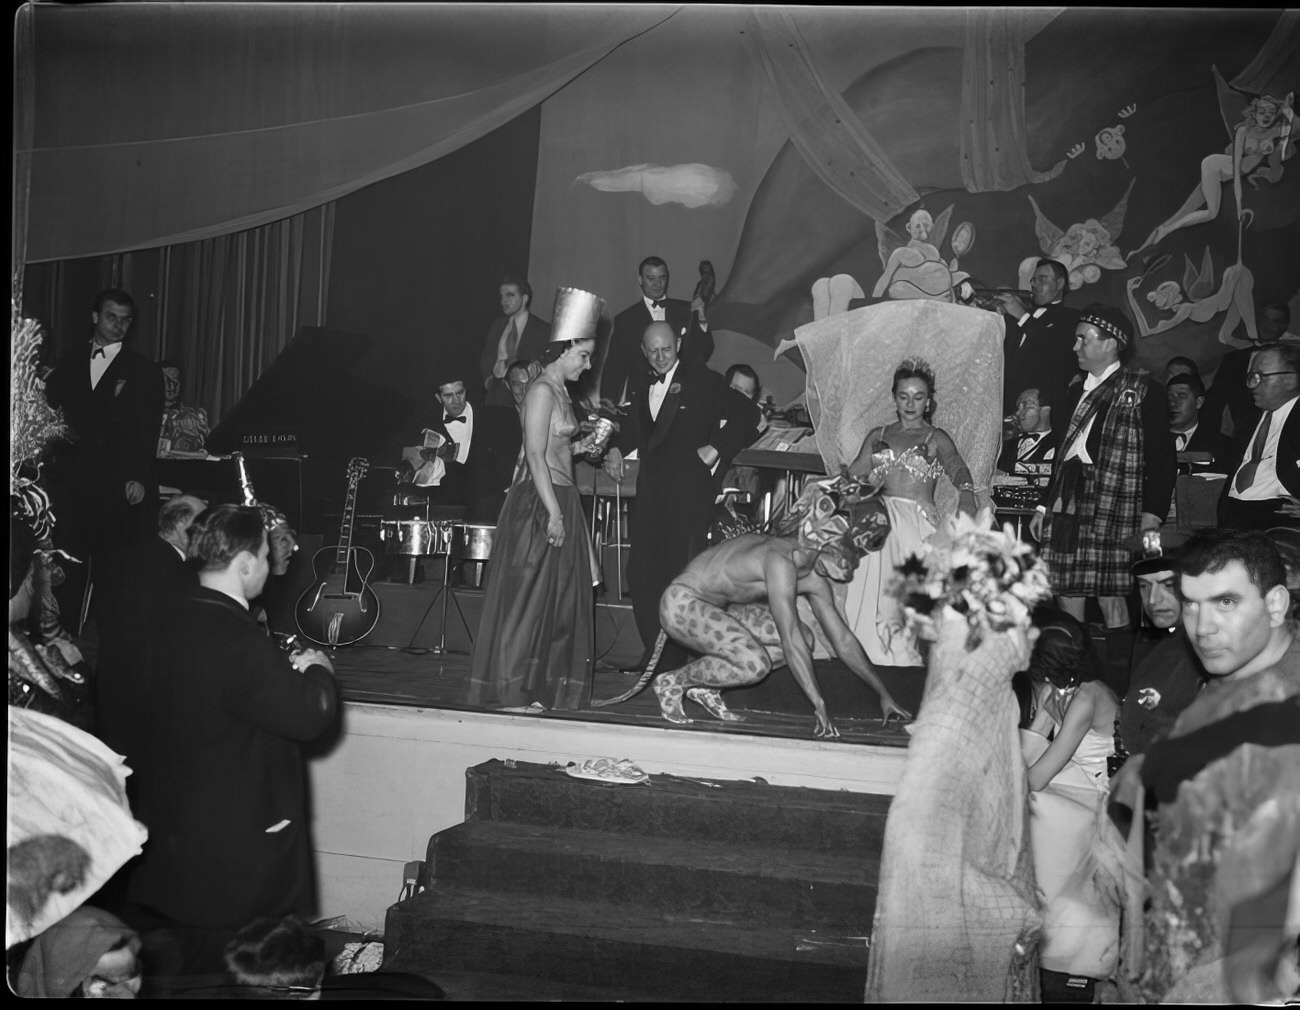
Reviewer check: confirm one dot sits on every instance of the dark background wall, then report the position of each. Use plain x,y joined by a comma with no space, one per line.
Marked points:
418,257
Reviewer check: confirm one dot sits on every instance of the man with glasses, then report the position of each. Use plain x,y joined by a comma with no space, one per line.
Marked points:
1267,474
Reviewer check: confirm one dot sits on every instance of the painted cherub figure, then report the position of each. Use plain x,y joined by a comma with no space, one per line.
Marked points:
915,269
737,606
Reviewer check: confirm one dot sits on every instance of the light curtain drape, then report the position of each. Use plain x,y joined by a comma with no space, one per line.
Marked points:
831,138
160,123
993,132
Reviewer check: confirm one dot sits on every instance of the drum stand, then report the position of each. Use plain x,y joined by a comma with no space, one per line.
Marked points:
447,591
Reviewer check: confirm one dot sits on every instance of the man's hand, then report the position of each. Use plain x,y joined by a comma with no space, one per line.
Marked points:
310,657
697,306
1012,305
891,707
708,455
134,492
447,451
1036,526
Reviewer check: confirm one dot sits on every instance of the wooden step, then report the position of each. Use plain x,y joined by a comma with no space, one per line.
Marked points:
741,812
664,956
698,876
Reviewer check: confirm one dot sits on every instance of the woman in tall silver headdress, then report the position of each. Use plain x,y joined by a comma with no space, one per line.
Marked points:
536,639
907,457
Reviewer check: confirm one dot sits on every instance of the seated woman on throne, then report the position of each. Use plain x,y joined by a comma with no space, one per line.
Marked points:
907,456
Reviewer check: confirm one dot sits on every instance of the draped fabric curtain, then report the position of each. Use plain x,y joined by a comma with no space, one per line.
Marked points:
993,132
230,304
154,124
831,138
1277,66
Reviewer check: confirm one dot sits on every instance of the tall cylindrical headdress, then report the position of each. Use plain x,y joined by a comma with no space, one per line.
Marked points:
576,316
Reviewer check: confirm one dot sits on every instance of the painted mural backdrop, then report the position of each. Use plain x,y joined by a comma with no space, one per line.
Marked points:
1158,148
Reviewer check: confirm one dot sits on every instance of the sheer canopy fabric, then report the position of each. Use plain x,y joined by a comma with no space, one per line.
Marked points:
851,359
268,109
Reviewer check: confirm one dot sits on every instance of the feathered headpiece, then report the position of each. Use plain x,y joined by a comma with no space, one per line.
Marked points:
33,424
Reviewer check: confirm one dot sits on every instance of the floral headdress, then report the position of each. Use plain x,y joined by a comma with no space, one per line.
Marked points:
33,424
987,575
845,511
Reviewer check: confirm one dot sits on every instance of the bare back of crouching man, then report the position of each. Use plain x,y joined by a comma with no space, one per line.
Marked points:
736,604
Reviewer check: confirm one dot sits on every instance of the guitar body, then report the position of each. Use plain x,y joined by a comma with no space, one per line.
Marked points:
340,608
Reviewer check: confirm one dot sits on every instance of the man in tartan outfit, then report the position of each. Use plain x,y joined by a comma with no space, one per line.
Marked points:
1113,474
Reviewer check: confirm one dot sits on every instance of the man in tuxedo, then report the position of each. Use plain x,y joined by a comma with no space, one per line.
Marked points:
687,321
137,590
1266,460
516,335
1038,346
1029,453
229,835
1186,395
686,424
473,465
103,483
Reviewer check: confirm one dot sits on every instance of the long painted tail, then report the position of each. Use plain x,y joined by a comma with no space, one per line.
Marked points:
644,679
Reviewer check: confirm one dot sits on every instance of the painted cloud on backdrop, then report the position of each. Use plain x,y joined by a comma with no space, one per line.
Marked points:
691,185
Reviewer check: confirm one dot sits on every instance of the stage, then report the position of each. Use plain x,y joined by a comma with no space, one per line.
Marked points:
393,774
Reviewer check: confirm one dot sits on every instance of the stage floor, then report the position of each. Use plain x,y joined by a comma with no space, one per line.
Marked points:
423,678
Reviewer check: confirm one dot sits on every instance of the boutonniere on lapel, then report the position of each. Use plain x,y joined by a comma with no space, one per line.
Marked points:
1129,398
674,389
118,386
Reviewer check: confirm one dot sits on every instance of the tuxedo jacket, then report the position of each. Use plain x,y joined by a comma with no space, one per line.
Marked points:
1207,438
532,341
229,838
1288,453
116,424
1040,355
624,358
675,491
1228,393
480,483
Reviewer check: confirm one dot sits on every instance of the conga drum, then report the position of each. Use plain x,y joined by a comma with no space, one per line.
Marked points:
472,542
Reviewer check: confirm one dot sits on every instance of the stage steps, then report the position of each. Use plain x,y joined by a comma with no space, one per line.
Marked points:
673,890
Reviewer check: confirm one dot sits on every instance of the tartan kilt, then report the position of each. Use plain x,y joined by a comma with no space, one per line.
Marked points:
1100,563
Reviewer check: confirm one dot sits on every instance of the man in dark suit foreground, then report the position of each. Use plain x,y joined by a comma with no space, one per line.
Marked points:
137,591
226,792
686,320
686,424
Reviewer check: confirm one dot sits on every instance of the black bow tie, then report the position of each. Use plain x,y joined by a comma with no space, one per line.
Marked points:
655,377
98,352
658,303
453,420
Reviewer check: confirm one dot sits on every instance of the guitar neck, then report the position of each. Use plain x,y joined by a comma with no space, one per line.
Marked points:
345,528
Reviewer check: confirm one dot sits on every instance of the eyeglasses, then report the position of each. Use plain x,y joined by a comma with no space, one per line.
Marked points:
1255,378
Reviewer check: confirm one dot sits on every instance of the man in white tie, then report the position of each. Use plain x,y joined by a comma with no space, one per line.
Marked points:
516,335
1268,474
1038,347
1112,478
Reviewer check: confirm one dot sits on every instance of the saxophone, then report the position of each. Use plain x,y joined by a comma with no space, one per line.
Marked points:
282,538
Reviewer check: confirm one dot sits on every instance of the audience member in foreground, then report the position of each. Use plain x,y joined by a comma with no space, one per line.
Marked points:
227,791
1227,781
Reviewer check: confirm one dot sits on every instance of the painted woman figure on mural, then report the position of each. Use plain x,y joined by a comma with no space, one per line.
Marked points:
1261,141
535,641
907,457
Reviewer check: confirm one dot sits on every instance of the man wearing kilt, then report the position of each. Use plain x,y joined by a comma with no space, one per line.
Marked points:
1113,476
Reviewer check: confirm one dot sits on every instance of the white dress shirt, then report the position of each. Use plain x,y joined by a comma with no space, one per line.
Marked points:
1265,485
1078,449
657,314
461,432
99,362
659,390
